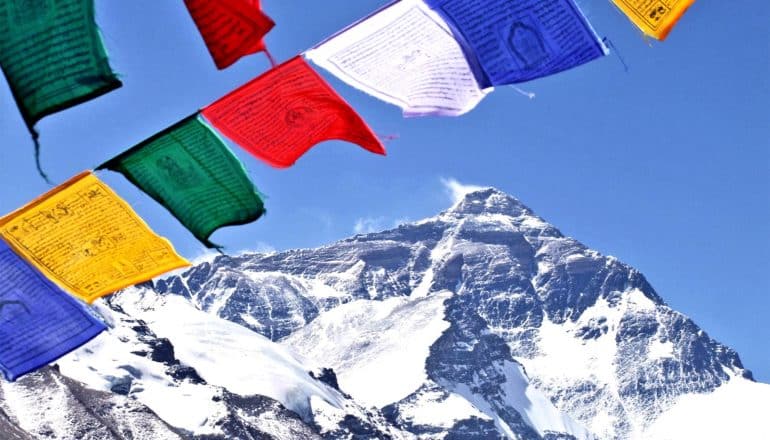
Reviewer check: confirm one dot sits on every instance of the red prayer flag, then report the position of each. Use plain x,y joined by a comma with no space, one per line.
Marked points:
231,28
286,111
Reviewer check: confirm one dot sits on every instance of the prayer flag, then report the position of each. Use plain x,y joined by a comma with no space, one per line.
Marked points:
406,55
188,169
39,323
286,111
520,40
655,18
86,238
231,29
52,55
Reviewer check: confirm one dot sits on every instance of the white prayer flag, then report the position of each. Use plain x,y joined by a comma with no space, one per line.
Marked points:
406,55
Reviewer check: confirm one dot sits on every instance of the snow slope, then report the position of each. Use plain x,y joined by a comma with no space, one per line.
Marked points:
735,410
377,348
226,354
483,322
379,351
586,332
108,362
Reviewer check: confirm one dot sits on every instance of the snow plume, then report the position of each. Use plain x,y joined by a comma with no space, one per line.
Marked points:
367,225
456,190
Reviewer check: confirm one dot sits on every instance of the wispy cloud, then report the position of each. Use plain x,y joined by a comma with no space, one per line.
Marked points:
368,225
456,190
261,247
208,255
205,256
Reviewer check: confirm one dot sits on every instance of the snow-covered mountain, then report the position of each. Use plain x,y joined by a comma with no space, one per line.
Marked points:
483,322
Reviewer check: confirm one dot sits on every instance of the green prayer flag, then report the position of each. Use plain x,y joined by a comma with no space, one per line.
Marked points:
52,55
188,169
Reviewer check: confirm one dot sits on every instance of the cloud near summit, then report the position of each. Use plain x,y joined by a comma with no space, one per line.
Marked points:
456,190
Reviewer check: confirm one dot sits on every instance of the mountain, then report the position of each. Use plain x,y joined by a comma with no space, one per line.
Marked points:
192,376
483,322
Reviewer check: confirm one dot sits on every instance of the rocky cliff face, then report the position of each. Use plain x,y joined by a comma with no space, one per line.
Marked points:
482,322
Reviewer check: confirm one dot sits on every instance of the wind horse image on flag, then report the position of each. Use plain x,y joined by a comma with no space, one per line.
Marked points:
87,239
52,56
403,54
281,114
231,29
39,323
655,18
189,170
515,41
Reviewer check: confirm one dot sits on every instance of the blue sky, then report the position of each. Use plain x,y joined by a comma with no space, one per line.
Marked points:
666,167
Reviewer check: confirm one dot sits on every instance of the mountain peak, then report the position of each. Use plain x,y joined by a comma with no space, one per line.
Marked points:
489,201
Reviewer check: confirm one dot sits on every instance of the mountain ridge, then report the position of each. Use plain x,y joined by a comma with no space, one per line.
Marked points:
546,278
484,314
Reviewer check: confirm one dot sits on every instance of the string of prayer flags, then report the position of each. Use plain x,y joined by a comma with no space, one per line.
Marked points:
52,56
87,239
281,114
520,40
655,18
405,55
189,170
231,29
39,323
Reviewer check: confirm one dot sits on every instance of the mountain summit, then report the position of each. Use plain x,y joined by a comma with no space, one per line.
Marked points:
483,322
489,201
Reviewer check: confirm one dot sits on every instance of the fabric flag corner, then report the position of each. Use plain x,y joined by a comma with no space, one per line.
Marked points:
518,41
281,114
189,170
83,236
52,56
655,18
231,29
403,54
39,322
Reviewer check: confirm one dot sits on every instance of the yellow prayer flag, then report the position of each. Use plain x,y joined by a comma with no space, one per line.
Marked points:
655,18
86,238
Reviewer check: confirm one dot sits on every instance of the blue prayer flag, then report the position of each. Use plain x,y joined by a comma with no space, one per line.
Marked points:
39,322
515,41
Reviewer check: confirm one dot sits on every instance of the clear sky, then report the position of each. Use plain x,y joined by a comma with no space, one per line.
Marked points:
666,167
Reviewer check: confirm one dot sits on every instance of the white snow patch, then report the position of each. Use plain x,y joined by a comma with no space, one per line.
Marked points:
532,222
559,347
429,409
736,410
325,416
640,301
379,277
108,359
564,357
377,348
536,409
573,258
661,350
221,299
228,355
320,290
498,221
191,407
479,402
43,415
439,253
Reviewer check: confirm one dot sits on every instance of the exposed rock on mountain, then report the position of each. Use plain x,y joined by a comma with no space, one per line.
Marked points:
483,322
